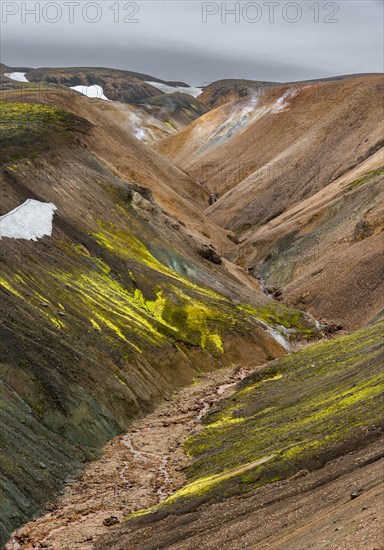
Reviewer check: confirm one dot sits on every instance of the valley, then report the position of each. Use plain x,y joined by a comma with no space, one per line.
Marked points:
191,321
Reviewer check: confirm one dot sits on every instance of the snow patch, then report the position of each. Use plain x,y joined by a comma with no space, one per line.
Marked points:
190,90
31,220
93,91
19,77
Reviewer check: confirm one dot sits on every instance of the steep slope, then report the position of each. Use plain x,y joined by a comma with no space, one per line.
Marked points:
157,117
270,151
112,138
177,110
288,421
117,307
287,171
326,254
195,144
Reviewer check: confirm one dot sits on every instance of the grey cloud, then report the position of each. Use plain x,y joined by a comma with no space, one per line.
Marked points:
171,42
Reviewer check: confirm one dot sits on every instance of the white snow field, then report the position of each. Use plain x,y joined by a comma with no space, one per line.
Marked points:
31,220
19,77
93,91
190,90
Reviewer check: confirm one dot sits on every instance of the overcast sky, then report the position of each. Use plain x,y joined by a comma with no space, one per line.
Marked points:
195,41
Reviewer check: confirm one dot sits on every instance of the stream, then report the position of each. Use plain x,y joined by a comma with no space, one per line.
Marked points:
138,469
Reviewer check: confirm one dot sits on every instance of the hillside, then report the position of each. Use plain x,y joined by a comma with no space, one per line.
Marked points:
262,434
328,243
292,458
177,110
118,85
231,90
288,168
168,265
113,84
115,309
283,135
138,104
42,73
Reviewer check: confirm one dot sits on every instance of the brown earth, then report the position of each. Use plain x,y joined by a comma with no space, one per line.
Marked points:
330,242
275,149
283,165
136,470
310,510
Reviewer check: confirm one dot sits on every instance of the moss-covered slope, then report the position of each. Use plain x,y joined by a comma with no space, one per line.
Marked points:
298,413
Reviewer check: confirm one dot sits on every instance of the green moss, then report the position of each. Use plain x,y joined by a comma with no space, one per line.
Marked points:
5,284
152,306
302,408
316,396
289,322
25,127
57,323
135,319
95,325
169,123
367,178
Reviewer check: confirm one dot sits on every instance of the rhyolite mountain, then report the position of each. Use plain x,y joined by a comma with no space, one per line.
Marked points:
298,174
146,281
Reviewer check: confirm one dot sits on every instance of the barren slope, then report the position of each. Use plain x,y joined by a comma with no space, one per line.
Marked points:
297,172
326,254
270,151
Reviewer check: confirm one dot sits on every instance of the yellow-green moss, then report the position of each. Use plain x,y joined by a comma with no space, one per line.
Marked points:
24,127
297,410
127,315
5,284
169,123
95,324
285,320
367,178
